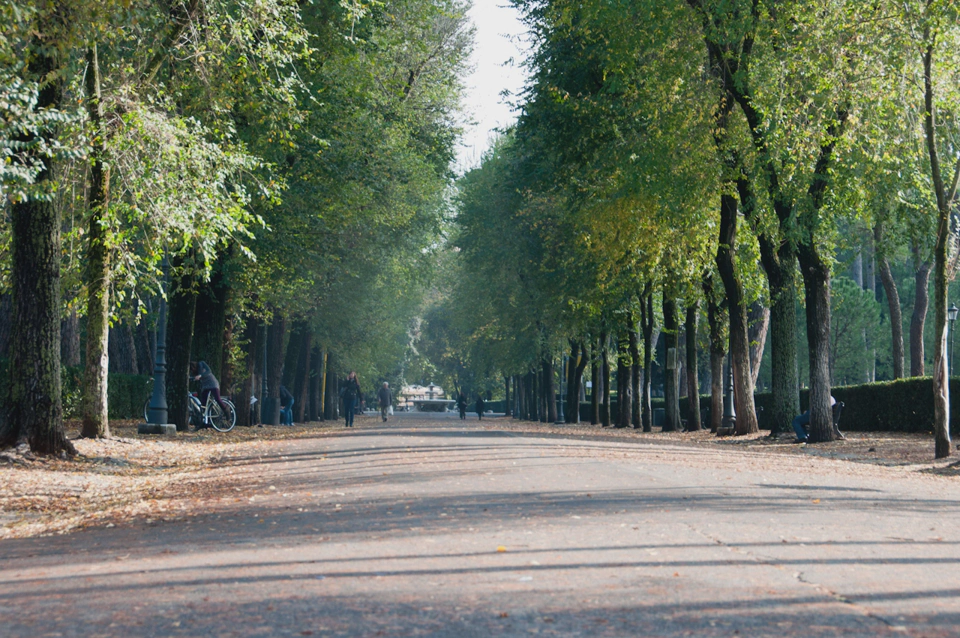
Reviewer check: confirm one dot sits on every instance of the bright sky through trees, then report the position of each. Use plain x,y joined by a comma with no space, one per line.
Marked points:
499,49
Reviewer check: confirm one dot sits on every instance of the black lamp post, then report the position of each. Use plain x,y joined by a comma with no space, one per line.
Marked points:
952,317
563,373
157,410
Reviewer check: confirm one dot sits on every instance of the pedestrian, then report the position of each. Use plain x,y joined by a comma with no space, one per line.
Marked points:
479,407
208,385
462,405
386,399
350,392
802,422
286,406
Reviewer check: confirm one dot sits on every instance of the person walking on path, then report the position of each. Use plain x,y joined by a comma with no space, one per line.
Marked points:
350,392
208,385
462,405
385,399
479,407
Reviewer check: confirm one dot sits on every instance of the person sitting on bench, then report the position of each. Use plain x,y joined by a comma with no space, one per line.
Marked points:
802,422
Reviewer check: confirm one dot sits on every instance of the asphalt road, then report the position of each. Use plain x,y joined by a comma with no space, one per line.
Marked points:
437,527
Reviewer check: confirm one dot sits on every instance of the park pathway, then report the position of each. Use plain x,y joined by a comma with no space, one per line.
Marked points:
435,527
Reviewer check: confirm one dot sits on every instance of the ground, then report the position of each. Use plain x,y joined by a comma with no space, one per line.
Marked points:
428,525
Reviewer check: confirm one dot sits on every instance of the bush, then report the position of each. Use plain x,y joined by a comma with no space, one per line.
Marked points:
905,405
125,394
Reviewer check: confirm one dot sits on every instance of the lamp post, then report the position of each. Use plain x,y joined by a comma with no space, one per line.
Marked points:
952,317
563,368
157,410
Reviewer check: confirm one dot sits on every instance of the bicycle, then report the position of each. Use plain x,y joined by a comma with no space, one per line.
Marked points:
202,415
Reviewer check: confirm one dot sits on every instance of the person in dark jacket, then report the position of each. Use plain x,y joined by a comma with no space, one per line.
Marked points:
350,392
286,406
479,407
462,405
208,385
385,398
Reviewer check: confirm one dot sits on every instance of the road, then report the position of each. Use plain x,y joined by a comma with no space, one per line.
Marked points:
437,527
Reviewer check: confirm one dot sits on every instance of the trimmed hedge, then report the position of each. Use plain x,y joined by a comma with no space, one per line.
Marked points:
126,393
905,405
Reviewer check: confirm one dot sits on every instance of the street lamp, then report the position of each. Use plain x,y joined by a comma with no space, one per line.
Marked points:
157,410
952,317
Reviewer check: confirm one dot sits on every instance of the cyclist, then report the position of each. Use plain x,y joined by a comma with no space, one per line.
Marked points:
208,383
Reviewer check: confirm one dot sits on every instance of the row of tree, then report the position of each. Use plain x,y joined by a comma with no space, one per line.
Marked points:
276,170
691,157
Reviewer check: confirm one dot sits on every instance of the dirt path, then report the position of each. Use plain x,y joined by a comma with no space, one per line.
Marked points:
437,527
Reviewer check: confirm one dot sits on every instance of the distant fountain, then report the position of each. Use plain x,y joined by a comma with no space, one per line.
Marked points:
429,398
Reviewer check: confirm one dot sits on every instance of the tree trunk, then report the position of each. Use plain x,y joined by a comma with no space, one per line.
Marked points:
671,391
693,380
275,335
316,384
330,401
946,196
95,423
921,301
181,312
647,324
70,340
549,390
35,410
301,384
758,322
522,397
506,395
780,266
718,350
605,379
739,340
624,382
893,303
636,374
816,285
595,387
6,324
572,396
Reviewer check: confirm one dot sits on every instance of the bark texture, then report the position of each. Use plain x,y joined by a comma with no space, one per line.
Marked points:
671,376
739,339
94,419
34,408
693,382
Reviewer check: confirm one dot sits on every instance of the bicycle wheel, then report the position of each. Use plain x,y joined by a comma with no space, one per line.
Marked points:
223,422
146,411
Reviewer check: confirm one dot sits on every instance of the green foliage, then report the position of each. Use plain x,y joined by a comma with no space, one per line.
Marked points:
855,329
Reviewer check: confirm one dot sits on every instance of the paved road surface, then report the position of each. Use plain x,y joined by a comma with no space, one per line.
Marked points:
434,527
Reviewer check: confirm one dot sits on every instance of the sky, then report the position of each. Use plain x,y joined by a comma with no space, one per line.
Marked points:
499,48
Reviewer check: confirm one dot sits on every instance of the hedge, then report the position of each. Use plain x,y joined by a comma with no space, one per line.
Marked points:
905,405
126,393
